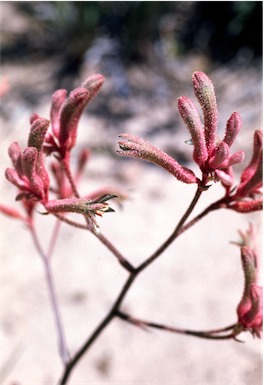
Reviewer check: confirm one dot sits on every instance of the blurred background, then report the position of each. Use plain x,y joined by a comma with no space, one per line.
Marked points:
147,52
116,37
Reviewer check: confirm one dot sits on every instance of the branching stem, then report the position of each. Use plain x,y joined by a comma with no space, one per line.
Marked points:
133,274
210,334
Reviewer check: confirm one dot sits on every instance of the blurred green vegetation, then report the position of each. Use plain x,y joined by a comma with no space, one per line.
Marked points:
111,36
221,30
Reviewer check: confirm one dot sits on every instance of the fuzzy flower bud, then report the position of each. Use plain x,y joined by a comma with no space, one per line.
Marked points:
233,126
57,101
247,206
70,115
249,309
66,112
191,118
29,173
139,148
220,154
82,206
93,84
37,134
204,91
252,176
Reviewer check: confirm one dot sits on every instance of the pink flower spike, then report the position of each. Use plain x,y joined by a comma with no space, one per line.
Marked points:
249,310
80,205
57,101
29,165
93,84
33,117
37,133
14,153
191,118
13,177
236,158
220,154
70,114
257,148
247,206
233,126
204,91
139,148
255,182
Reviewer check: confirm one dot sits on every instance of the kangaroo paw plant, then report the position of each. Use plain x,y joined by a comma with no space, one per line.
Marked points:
43,174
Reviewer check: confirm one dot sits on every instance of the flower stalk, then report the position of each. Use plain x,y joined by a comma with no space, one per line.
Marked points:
55,186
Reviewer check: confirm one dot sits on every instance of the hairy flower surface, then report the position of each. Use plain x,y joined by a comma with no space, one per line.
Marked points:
83,206
245,197
66,113
250,308
29,173
139,148
212,156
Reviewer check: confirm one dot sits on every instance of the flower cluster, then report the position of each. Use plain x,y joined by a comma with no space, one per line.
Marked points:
29,173
32,176
65,115
213,156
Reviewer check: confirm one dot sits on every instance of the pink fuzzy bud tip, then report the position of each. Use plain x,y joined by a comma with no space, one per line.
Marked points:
204,91
233,127
93,84
192,120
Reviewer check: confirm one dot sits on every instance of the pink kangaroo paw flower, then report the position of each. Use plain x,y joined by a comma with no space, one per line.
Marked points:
204,91
93,84
191,118
139,148
57,101
233,127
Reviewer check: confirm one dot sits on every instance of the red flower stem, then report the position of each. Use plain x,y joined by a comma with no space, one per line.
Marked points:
214,206
201,334
52,293
116,253
70,222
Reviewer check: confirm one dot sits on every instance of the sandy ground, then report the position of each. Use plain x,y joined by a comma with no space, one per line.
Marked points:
196,284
